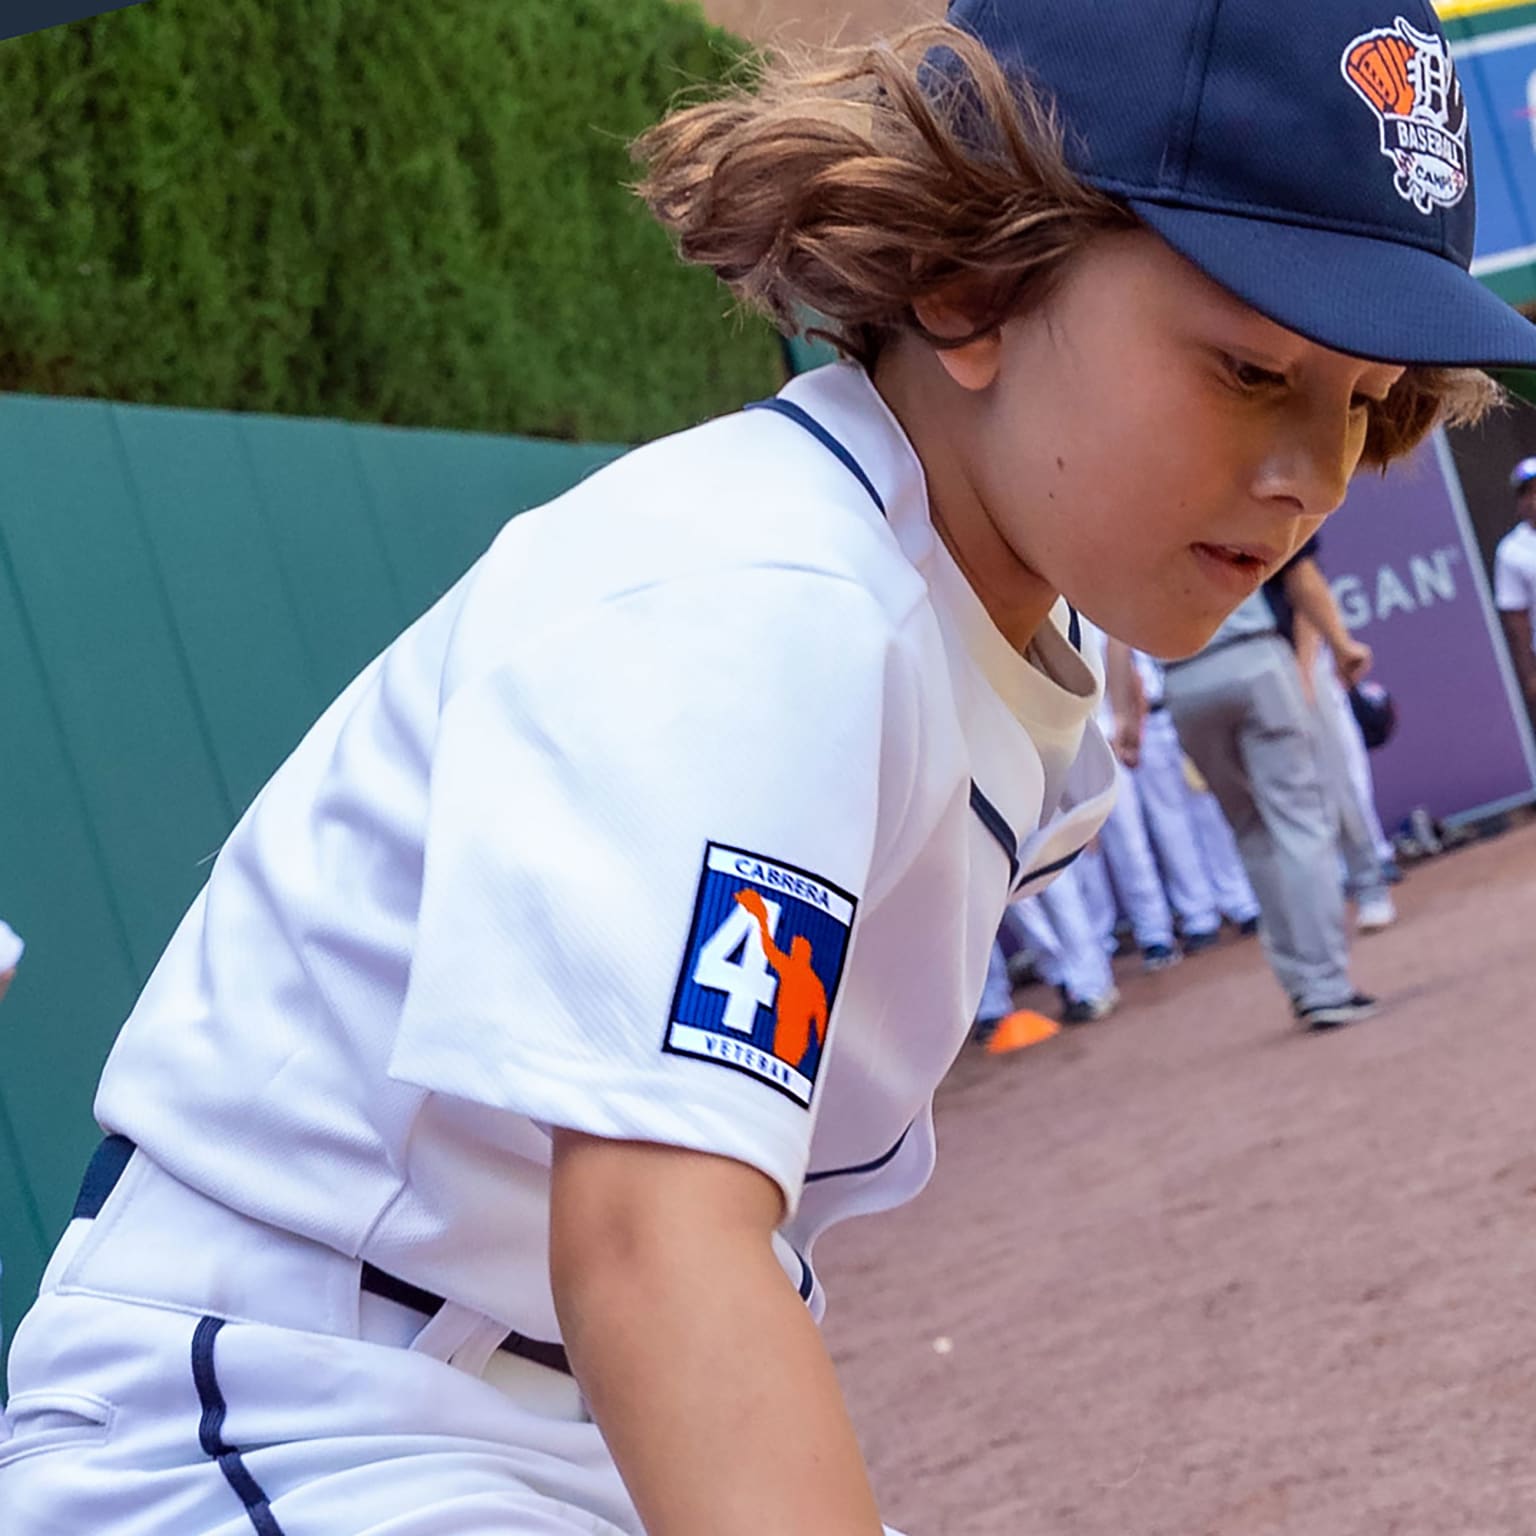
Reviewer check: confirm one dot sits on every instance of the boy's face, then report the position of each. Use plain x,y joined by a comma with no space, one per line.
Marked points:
1525,502
1153,449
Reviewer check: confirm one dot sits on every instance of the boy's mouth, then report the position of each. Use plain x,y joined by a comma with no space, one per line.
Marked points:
1236,565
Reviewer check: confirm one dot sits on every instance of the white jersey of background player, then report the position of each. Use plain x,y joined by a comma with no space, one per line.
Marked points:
1514,580
605,941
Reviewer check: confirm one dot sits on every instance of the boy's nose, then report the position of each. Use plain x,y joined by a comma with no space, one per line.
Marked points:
1312,469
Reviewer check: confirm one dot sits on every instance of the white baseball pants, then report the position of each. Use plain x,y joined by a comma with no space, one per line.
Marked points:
1061,935
1132,869
1204,873
189,1372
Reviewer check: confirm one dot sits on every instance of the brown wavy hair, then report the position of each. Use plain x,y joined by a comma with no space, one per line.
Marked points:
849,183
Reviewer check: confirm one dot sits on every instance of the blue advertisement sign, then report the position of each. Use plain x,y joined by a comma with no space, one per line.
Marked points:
1498,81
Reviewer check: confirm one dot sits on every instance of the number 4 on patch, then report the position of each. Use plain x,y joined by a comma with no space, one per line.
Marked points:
732,961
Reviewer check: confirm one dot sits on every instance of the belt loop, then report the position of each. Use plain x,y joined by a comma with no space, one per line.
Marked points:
475,1352
450,1329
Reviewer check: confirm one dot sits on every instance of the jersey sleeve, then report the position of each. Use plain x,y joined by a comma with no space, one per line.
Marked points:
1511,586
647,840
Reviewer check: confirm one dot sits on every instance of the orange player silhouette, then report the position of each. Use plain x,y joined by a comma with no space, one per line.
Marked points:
801,1003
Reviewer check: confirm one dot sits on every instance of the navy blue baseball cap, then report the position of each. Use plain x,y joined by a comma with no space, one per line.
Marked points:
1312,157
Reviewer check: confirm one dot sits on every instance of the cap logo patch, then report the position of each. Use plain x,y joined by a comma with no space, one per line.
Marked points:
1406,78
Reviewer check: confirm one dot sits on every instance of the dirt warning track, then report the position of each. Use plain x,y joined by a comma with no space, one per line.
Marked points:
1188,1272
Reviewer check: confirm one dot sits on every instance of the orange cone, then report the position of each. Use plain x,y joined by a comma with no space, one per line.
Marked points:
1020,1029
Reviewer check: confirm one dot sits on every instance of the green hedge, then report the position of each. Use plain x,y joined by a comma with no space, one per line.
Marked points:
406,211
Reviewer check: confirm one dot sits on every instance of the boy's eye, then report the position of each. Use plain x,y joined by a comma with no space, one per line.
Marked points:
1251,377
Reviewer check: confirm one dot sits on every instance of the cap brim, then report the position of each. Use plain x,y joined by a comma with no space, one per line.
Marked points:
1371,298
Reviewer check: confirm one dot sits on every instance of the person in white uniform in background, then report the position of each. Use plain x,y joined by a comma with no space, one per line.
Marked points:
1121,872
1053,939
1203,874
605,942
1062,940
1514,580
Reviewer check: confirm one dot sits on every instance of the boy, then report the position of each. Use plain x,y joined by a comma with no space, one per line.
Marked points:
456,1182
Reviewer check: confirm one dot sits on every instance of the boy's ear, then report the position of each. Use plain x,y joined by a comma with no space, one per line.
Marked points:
972,365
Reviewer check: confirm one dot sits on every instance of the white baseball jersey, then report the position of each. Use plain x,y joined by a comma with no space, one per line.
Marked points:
687,816
1514,574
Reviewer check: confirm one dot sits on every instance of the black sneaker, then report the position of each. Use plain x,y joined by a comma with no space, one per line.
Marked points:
1248,927
1088,1010
1158,957
1333,1015
1195,942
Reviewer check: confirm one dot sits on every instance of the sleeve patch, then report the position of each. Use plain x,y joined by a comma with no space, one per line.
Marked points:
761,971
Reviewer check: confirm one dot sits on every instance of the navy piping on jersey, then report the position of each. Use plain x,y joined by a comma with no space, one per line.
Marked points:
101,1175
1053,867
803,418
995,823
807,1279
993,820
870,1167
210,1431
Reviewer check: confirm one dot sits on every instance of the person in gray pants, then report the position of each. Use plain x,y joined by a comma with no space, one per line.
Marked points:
1240,712
1309,619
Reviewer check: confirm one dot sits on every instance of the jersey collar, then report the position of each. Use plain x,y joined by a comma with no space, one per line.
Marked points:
1058,690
